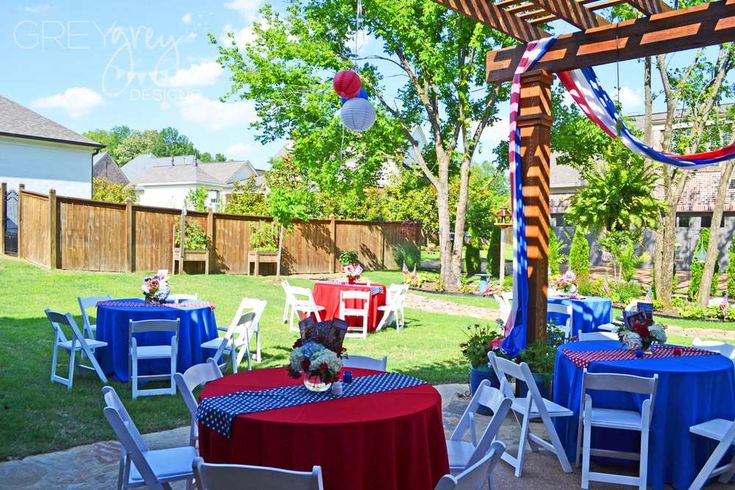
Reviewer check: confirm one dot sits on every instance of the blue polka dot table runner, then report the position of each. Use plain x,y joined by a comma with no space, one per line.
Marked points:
218,412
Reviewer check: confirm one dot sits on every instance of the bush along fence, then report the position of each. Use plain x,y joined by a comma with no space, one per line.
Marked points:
78,234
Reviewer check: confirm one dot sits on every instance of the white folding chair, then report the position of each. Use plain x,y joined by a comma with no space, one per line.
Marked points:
256,306
609,418
139,465
726,350
478,475
301,305
244,477
719,430
287,304
365,362
152,352
235,343
78,342
533,406
584,336
566,310
462,453
504,306
90,329
608,327
194,377
178,298
393,309
362,311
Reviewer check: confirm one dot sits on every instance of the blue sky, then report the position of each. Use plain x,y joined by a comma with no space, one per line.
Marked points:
149,64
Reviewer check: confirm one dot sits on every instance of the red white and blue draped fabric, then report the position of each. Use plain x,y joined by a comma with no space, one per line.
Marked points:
587,92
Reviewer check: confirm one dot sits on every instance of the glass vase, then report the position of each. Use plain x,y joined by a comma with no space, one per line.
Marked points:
315,384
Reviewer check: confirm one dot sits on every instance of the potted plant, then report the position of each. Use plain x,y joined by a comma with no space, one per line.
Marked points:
481,339
541,358
352,268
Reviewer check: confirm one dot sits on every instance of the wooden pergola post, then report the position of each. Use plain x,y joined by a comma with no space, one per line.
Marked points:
534,121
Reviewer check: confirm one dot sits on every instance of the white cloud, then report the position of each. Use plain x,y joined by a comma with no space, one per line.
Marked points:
495,133
75,101
214,114
35,9
246,8
197,75
629,98
243,36
186,18
239,151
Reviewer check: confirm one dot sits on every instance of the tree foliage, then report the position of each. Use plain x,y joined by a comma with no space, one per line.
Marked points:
731,270
579,253
196,199
106,190
697,267
247,198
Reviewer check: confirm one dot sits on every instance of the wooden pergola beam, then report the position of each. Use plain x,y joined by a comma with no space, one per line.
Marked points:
650,7
572,12
676,30
487,13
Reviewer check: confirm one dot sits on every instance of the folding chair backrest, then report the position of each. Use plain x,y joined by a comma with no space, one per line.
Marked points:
567,311
726,350
304,293
585,336
227,476
626,383
286,289
365,362
194,377
144,326
178,298
86,303
356,295
241,327
488,397
476,476
392,296
58,319
257,306
112,400
521,373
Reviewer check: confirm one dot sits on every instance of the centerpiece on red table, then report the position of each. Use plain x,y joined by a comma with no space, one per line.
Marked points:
155,289
640,333
352,268
317,355
567,284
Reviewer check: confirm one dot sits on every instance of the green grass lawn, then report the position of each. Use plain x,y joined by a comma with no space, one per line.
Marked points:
38,416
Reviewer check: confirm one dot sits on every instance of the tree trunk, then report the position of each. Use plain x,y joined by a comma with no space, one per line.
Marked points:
445,244
712,251
459,224
280,249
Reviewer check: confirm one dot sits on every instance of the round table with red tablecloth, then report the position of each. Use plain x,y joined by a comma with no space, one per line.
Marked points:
326,294
389,440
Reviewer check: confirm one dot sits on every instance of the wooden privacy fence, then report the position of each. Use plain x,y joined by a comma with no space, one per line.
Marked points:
79,234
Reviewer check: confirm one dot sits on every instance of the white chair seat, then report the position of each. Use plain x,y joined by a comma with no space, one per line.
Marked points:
154,351
168,464
459,453
608,327
555,410
616,419
304,305
386,307
214,343
93,344
713,429
352,312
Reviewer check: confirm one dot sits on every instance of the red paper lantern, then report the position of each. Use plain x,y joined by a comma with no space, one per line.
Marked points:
347,84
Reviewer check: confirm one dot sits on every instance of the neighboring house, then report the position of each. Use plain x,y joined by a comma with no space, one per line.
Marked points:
42,154
105,168
166,181
693,213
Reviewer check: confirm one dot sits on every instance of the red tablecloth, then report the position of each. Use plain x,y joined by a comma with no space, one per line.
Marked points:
388,440
326,294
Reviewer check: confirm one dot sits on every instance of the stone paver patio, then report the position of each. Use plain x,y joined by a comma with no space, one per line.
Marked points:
95,466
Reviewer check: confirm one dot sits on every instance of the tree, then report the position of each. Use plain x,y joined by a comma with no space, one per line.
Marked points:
579,254
204,157
556,253
105,190
219,157
137,143
169,142
697,267
731,270
286,70
247,198
196,199
111,139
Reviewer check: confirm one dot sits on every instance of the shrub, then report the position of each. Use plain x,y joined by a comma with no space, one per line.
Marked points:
579,254
556,257
105,190
409,254
195,239
624,291
697,267
479,343
196,199
348,257
264,237
731,270
472,263
590,287
493,252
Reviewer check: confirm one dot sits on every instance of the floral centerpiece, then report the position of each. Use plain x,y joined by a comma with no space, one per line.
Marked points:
567,284
352,268
317,355
640,333
155,289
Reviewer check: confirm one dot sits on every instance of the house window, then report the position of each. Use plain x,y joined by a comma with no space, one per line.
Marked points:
682,221
557,220
732,184
706,222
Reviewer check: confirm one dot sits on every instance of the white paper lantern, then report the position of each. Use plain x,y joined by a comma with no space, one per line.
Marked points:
358,114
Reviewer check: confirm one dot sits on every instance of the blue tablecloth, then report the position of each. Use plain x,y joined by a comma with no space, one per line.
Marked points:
589,313
690,390
197,326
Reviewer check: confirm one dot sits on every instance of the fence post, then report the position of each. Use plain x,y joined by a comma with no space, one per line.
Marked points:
210,240
21,188
333,232
130,233
53,230
3,203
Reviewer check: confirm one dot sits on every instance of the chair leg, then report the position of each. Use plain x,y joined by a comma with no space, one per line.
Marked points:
727,476
134,377
257,344
586,448
286,310
710,466
561,454
54,360
233,359
72,361
643,476
522,447
173,371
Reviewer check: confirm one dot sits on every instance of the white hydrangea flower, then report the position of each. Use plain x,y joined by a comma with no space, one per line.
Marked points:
632,341
658,333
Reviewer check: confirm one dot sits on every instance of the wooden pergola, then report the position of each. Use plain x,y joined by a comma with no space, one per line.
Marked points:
659,30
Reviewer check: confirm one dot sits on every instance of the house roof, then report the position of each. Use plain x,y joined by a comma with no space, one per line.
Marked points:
20,122
229,172
150,170
177,174
104,166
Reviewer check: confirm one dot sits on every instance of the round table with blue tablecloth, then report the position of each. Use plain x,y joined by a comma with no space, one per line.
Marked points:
690,390
197,325
589,312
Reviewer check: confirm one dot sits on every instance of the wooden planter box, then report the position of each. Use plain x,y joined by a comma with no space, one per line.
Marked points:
258,258
190,255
